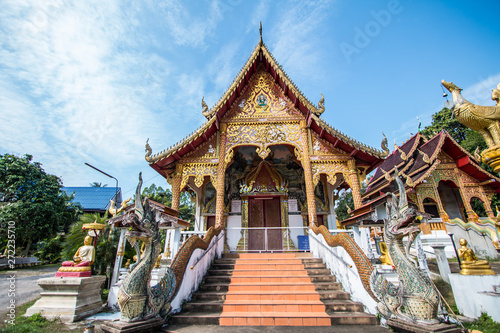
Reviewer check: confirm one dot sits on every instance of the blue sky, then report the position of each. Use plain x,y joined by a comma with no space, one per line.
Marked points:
90,81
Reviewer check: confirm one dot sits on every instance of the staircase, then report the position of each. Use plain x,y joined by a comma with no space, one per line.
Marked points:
271,289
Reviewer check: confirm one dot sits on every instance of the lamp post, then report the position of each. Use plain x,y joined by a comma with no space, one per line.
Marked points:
456,252
104,173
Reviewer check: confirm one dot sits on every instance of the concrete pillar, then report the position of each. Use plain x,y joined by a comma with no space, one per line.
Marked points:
442,261
119,257
175,241
332,218
176,187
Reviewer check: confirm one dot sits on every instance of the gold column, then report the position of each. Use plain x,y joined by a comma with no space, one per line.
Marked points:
306,164
471,215
221,173
176,187
355,184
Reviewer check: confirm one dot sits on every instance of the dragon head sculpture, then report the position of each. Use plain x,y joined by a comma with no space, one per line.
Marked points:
403,218
142,223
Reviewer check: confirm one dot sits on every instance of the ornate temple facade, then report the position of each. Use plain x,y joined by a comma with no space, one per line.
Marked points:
443,180
264,165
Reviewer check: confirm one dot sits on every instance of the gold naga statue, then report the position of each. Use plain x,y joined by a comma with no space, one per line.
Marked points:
470,264
82,261
483,119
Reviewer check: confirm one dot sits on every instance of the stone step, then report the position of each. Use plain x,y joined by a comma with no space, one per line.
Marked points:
203,306
278,289
274,319
195,318
209,296
342,306
353,318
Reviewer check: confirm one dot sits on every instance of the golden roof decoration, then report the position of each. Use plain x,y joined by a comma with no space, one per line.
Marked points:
210,114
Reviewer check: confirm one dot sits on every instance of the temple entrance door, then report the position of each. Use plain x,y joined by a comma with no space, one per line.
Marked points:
264,214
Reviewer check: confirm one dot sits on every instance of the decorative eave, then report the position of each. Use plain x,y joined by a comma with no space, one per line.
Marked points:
159,161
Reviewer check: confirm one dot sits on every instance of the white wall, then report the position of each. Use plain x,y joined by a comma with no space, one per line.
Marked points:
233,231
193,277
342,266
296,221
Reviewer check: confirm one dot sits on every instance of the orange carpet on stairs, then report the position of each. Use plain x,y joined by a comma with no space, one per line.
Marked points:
272,289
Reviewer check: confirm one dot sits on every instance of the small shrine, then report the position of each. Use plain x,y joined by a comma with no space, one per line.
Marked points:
442,179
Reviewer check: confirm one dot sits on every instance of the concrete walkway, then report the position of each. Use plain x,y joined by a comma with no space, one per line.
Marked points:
25,284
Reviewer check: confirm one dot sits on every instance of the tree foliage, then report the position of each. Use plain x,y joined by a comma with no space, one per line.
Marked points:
32,199
164,196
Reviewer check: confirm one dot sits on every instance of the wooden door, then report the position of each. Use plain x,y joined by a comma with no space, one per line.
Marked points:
264,213
210,221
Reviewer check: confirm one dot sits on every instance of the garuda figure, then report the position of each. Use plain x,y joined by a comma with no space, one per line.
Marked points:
416,298
137,300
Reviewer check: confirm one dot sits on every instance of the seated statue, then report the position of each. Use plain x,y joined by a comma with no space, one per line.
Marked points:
384,258
82,260
470,264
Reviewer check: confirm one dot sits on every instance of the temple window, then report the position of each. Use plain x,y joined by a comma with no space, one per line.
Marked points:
430,207
449,194
478,207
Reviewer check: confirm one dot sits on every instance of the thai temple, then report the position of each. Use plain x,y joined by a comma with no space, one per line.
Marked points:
267,249
266,170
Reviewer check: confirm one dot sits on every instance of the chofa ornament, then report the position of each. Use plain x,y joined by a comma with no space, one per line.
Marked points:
416,298
483,119
136,299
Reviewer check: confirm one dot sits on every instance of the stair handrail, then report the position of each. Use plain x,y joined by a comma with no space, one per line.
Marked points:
330,250
208,249
363,264
181,260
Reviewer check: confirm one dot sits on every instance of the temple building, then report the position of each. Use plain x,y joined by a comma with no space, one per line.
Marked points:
441,179
265,164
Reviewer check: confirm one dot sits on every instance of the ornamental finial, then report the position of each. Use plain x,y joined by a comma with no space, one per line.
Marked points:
260,32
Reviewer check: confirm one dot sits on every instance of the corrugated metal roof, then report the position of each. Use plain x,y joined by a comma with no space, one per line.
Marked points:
93,198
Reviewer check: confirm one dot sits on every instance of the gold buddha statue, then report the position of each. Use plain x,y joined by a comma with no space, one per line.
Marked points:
82,261
384,258
470,264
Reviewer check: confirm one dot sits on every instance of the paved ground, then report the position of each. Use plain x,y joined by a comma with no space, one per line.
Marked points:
26,287
277,329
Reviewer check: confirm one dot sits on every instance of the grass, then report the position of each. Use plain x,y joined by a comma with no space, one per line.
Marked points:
34,324
484,324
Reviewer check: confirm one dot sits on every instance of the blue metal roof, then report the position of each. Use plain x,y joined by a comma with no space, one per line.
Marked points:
93,198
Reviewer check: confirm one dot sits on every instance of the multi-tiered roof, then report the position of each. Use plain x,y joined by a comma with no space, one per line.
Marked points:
262,58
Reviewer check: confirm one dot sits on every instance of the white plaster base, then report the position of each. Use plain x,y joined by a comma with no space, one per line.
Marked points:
474,294
70,299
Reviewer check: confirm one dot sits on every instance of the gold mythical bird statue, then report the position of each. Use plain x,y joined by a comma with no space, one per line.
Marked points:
483,119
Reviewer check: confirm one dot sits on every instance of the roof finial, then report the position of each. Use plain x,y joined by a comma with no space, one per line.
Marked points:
260,32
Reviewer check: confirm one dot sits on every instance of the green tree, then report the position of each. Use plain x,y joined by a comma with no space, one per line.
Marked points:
97,184
32,199
164,196
345,199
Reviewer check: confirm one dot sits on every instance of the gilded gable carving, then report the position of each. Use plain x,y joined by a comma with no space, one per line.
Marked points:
206,151
262,136
320,147
262,97
199,171
330,169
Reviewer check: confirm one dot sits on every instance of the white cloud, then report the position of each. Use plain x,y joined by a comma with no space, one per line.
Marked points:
477,93
295,37
71,91
188,29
